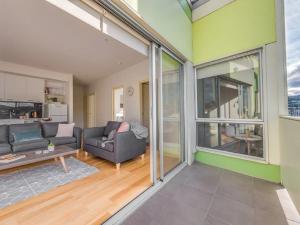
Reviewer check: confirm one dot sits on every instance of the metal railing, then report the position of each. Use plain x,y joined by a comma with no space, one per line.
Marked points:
294,111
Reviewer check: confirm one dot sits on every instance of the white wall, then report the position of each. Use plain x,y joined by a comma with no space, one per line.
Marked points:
44,74
102,88
290,157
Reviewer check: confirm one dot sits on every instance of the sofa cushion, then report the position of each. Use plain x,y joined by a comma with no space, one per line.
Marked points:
97,142
4,134
111,125
49,129
30,145
62,140
28,135
108,146
124,127
65,130
21,127
93,141
5,148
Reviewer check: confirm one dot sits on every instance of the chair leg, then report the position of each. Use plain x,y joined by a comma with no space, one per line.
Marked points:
86,153
143,156
118,165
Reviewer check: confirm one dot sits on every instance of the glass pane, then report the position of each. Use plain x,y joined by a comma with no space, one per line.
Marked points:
246,139
230,89
292,28
171,111
118,104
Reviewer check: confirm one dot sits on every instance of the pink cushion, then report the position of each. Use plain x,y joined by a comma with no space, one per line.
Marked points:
124,127
65,130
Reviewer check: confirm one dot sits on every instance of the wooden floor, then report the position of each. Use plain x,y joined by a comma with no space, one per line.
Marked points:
90,200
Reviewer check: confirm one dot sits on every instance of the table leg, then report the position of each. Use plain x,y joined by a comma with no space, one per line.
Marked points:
249,147
62,160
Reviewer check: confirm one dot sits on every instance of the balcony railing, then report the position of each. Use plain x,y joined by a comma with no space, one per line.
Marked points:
294,111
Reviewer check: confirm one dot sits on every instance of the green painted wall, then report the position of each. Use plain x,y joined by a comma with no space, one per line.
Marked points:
255,169
239,26
169,19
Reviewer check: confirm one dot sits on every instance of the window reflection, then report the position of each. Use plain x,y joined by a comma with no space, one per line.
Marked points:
230,89
246,139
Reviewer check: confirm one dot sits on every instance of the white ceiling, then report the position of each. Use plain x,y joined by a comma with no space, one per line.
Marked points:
36,33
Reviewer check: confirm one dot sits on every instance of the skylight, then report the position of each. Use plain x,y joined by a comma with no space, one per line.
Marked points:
196,3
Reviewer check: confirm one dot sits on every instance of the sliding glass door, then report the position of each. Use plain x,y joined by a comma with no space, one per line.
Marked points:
170,113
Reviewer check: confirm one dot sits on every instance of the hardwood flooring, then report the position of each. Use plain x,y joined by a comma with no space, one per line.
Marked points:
91,200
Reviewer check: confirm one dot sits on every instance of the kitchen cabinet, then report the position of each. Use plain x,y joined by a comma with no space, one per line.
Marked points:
24,89
35,89
15,87
2,86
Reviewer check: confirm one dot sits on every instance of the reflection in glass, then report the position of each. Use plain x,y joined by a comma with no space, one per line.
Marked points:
171,111
246,139
118,104
230,89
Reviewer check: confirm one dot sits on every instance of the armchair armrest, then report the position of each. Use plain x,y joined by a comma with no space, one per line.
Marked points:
127,146
92,132
77,131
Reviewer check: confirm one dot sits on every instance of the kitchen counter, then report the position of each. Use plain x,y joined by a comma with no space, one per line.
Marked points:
18,121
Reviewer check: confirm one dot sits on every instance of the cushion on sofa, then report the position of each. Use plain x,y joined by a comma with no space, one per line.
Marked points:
4,134
93,141
49,129
65,130
62,140
21,128
30,145
5,148
111,125
108,146
97,142
29,135
124,127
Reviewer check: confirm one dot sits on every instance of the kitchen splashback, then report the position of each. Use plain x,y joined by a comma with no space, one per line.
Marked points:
13,110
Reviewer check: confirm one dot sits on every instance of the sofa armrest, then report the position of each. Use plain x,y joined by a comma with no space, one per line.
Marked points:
93,132
127,146
77,131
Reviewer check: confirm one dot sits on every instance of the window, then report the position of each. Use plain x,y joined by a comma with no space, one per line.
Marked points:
292,28
118,104
229,105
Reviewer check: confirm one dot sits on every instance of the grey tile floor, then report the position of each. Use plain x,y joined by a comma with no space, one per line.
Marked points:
204,195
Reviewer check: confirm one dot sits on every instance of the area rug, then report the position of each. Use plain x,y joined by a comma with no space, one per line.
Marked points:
23,184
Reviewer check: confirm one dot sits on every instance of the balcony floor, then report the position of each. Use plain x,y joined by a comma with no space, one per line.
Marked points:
204,195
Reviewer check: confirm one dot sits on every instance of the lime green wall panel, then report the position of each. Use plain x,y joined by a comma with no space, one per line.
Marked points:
255,169
239,26
169,19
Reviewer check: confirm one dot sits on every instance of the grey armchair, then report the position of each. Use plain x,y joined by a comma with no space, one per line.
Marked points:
125,145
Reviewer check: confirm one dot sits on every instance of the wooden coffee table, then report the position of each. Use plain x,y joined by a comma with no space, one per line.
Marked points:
32,157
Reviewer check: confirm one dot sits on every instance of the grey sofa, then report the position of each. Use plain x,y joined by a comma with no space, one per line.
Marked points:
48,133
125,145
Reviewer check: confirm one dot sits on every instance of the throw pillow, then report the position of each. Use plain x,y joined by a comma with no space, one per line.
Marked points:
28,135
65,130
111,135
124,127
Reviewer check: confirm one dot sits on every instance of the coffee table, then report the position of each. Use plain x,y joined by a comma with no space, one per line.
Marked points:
32,157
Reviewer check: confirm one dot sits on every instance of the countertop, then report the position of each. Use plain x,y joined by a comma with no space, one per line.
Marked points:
18,121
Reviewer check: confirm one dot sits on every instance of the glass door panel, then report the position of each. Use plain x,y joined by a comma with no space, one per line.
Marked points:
171,129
